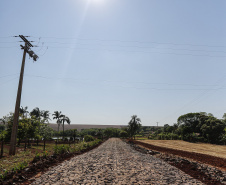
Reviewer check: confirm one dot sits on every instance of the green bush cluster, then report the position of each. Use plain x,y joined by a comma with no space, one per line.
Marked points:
17,168
20,166
62,149
88,138
168,136
2,175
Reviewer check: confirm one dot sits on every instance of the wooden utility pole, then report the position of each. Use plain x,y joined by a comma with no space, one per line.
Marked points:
26,48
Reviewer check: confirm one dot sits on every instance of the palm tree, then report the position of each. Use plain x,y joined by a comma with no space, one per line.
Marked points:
23,111
57,115
3,120
36,112
2,134
45,115
63,119
134,126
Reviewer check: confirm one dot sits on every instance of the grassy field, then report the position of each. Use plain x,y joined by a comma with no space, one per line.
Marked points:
23,158
7,162
214,150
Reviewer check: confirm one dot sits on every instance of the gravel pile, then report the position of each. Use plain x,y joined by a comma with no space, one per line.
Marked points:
115,162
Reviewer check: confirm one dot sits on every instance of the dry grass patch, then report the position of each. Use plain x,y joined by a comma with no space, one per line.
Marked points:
8,163
203,148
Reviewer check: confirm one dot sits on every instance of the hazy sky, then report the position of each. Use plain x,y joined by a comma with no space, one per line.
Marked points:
102,61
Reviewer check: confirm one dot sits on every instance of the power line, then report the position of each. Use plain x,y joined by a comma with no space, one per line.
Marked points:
141,47
8,47
132,46
124,41
8,75
133,51
196,99
132,41
137,82
10,42
134,87
6,37
9,81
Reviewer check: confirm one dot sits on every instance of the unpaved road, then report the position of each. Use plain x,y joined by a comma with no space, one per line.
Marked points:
114,162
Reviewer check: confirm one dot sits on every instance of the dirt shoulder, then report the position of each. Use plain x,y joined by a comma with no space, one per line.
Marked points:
203,172
203,158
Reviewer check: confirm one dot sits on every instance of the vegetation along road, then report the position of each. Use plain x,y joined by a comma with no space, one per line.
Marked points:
115,162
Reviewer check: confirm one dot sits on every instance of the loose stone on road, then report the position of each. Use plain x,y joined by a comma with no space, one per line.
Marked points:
114,162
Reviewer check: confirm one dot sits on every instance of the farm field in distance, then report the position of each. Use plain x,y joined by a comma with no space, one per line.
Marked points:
203,148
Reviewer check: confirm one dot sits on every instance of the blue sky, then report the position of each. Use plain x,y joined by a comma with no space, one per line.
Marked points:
102,61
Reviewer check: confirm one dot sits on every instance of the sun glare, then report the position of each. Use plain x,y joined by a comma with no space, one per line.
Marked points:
97,1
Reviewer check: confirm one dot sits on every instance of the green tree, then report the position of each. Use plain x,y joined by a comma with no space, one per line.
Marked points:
211,128
123,134
88,138
27,129
45,116
224,118
2,139
100,134
134,126
65,119
189,123
210,114
204,125
36,112
57,115
3,120
108,132
46,133
23,111
2,127
75,133
223,137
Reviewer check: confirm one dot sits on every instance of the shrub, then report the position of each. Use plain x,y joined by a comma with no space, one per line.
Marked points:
88,138
61,149
123,134
20,166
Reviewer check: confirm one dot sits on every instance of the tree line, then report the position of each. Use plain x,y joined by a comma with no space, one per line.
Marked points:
31,125
195,127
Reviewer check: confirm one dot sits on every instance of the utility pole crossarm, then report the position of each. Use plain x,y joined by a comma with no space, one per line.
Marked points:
25,40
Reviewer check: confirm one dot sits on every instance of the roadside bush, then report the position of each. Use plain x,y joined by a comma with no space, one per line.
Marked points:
123,134
83,145
20,166
96,142
88,138
61,149
201,140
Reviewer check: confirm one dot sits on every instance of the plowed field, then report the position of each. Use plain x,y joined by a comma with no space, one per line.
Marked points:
208,149
209,154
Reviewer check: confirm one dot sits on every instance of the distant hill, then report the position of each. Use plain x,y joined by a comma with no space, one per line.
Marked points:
79,127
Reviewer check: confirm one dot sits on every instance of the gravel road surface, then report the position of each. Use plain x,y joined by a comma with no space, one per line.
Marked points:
114,162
